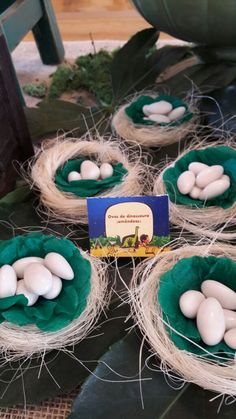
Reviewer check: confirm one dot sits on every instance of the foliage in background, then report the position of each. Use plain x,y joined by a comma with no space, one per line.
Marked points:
38,89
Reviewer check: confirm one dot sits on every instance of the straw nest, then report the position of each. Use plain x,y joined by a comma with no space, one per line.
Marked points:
208,222
28,341
153,135
66,206
215,376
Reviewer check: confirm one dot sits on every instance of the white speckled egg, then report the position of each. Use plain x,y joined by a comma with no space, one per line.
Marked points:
177,113
21,289
209,175
185,182
106,170
211,321
37,279
197,167
214,189
8,281
225,296
55,290
189,303
159,119
195,192
161,108
230,338
74,176
89,170
20,265
230,319
59,266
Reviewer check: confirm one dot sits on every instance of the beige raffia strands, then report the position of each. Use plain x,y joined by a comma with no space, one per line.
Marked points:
208,222
64,206
217,376
153,135
27,341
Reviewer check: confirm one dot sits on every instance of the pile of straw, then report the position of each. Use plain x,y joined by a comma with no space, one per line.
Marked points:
217,376
53,154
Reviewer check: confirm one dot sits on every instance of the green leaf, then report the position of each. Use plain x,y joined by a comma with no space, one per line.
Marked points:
19,195
55,115
130,69
64,370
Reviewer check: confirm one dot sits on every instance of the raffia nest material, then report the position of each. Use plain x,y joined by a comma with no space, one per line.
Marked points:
27,341
153,135
66,206
215,376
204,222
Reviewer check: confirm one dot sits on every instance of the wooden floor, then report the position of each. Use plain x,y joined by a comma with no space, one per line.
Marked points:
99,19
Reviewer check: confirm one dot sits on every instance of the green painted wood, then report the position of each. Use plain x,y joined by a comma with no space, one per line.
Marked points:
19,19
47,36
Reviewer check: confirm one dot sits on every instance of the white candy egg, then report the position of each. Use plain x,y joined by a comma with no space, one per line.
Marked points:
225,296
209,175
225,177
185,182
189,303
106,170
59,266
230,319
195,192
20,265
21,289
177,113
37,279
214,189
159,119
197,167
55,290
230,338
89,170
211,321
161,108
8,281
74,176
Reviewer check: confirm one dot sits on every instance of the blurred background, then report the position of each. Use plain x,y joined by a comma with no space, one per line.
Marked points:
99,19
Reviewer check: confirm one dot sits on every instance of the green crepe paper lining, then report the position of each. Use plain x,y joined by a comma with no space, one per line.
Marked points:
188,274
222,155
86,188
47,315
135,110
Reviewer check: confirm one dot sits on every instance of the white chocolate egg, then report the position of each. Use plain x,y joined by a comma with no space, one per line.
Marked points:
89,170
211,321
230,338
189,303
21,289
214,189
195,192
74,176
225,177
8,281
37,279
59,266
209,175
177,113
106,170
161,108
20,264
159,119
225,296
185,182
55,290
230,319
197,167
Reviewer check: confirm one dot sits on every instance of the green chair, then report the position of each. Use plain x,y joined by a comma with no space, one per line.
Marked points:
18,17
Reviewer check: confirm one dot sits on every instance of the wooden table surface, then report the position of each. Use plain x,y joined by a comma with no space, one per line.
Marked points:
99,19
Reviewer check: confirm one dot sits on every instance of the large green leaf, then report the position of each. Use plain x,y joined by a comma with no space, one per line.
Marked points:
115,390
54,115
61,371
